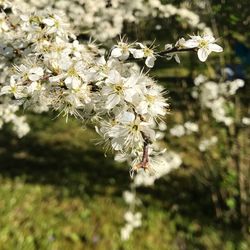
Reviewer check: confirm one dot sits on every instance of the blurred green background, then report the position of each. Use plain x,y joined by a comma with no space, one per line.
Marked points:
58,190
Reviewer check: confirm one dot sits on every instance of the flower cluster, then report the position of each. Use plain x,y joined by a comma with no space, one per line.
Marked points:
180,130
205,144
204,45
216,97
94,17
8,115
133,220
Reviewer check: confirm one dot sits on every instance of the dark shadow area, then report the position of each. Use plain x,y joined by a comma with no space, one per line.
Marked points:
80,171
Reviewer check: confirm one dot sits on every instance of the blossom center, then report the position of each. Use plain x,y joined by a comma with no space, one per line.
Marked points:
118,88
150,98
72,71
203,44
147,52
135,127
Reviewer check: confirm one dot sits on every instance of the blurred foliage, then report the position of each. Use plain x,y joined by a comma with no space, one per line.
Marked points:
224,169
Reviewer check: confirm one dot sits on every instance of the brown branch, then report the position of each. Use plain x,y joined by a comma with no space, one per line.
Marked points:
145,156
143,164
162,53
175,50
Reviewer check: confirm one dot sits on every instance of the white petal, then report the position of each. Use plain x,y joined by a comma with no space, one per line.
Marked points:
138,53
34,77
127,117
168,46
141,45
215,47
129,94
124,56
142,108
117,143
191,43
75,83
117,52
24,18
177,59
56,78
49,21
101,61
112,101
5,90
114,77
203,54
39,71
116,131
131,81
209,38
68,81
32,87
36,70
106,90
150,61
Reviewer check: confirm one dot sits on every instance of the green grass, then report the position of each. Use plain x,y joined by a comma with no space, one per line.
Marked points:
59,192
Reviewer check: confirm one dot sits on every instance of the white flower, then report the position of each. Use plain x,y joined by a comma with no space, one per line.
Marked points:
55,24
235,85
3,23
143,178
191,127
207,143
205,44
129,197
49,21
133,219
163,164
126,231
144,52
34,86
177,130
121,51
209,92
219,111
246,120
180,43
117,89
72,82
199,79
20,126
162,126
152,103
13,88
127,134
35,73
74,75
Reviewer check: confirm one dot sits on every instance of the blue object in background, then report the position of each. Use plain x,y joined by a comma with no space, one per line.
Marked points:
242,52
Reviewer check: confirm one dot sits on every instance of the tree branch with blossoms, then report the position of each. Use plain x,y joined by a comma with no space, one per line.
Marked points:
54,71
203,45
